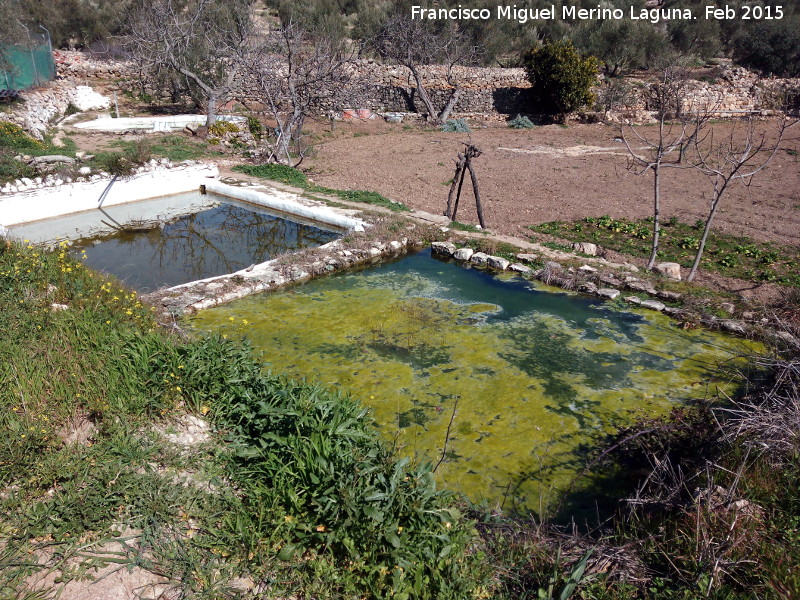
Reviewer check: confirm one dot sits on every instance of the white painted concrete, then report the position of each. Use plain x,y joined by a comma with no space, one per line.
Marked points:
286,202
168,123
60,200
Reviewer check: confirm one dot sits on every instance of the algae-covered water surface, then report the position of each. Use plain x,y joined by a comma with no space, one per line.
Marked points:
522,376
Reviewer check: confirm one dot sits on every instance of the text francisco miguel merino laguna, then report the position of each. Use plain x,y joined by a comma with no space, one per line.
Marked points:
570,12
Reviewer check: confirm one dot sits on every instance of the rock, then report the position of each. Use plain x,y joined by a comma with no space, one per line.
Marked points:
630,267
373,251
497,262
585,248
733,326
443,248
587,287
669,269
56,307
669,296
395,246
653,305
673,311
641,286
609,293
463,254
479,258
609,279
50,160
519,268
727,307
785,336
587,269
527,258
633,300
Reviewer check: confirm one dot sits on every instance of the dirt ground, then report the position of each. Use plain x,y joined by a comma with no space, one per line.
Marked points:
554,173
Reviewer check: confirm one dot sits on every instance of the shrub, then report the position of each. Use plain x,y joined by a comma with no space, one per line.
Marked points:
255,127
561,78
455,126
520,122
220,128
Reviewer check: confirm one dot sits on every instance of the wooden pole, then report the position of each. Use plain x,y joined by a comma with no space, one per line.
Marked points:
456,177
458,195
477,193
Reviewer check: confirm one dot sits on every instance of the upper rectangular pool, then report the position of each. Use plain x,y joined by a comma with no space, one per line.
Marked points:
176,239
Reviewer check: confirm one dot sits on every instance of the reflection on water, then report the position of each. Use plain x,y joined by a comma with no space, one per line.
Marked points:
211,242
537,374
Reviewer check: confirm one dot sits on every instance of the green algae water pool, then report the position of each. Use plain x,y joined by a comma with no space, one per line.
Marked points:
537,373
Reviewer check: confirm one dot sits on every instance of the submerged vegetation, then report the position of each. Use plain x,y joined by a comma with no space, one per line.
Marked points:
292,492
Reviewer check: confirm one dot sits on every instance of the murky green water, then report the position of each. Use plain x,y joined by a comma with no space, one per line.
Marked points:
537,373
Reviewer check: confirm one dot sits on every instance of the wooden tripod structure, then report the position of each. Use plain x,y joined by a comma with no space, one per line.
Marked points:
464,164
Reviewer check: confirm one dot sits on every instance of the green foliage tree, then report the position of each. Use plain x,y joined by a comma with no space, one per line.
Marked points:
770,47
561,77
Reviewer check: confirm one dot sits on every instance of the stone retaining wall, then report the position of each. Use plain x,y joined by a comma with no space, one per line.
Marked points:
390,88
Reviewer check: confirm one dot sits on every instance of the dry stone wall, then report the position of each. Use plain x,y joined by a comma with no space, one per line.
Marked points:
390,88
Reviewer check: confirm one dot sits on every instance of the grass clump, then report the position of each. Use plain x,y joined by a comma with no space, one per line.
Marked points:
14,141
729,255
300,493
295,177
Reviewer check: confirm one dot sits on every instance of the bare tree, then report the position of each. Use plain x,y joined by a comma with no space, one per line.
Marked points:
296,74
205,42
676,129
415,43
733,160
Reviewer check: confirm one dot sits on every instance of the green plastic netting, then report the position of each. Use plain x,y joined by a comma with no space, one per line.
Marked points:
22,67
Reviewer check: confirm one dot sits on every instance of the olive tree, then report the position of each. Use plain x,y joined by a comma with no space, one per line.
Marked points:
207,43
414,43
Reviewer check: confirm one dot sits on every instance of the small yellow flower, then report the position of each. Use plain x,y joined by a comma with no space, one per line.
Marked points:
204,409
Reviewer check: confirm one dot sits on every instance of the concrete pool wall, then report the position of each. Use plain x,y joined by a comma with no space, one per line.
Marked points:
153,124
45,203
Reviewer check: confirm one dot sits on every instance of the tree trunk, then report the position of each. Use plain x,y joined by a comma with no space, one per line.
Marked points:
211,110
706,231
423,94
451,103
656,210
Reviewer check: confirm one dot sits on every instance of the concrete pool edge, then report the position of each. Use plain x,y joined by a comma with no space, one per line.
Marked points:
69,198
